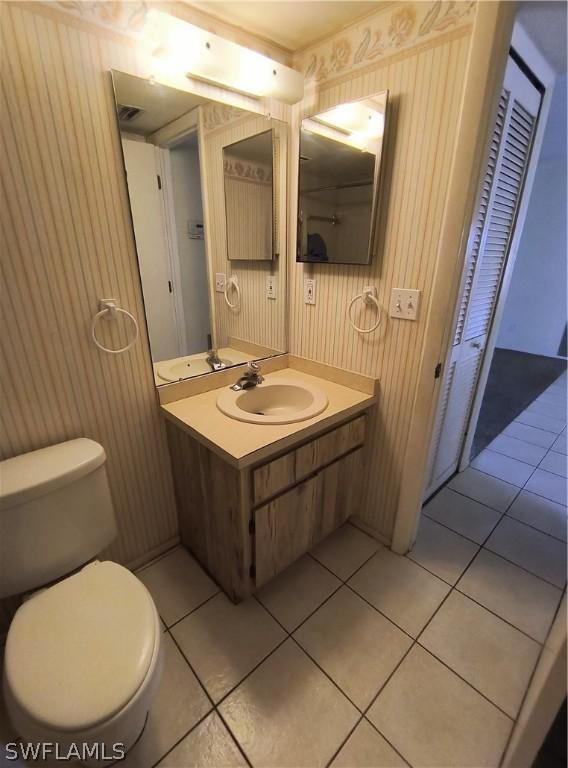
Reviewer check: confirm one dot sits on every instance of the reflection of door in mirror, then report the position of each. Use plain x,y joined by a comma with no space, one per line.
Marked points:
172,260
340,160
204,264
247,167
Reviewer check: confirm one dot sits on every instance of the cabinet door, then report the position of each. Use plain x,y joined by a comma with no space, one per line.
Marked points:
294,522
284,529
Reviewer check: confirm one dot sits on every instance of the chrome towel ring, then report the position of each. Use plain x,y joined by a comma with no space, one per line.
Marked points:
233,283
368,296
109,309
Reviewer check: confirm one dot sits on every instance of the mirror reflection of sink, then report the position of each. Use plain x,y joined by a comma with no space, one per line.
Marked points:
183,367
275,401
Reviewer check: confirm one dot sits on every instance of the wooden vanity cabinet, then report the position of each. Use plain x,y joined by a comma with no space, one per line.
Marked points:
247,525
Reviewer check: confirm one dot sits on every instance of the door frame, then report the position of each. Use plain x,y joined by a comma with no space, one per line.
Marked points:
532,57
491,40
164,164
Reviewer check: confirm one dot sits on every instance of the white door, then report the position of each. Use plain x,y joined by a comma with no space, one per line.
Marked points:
486,257
152,246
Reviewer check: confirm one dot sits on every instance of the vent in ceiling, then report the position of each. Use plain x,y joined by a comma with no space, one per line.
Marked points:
127,113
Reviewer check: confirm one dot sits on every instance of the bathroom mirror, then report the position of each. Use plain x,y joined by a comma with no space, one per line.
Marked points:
339,182
207,190
248,179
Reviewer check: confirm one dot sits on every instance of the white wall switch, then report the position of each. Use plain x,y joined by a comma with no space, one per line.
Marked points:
220,282
404,303
309,290
271,287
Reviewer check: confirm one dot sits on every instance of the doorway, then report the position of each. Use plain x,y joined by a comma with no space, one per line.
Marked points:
488,267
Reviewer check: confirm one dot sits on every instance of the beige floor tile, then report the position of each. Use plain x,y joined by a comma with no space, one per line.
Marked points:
466,516
504,467
488,490
538,553
179,704
366,748
530,434
223,641
354,644
541,513
554,410
178,584
541,422
209,745
298,591
520,598
549,485
436,720
345,550
518,449
288,713
494,657
556,463
401,589
559,445
443,552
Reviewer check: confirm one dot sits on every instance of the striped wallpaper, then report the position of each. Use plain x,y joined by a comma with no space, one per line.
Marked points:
425,86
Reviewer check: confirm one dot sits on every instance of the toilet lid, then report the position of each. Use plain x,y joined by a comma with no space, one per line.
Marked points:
77,652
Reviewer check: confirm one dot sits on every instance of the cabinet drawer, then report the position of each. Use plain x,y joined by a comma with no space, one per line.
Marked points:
283,472
291,524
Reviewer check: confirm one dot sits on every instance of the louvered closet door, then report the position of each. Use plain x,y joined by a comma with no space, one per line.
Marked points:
486,258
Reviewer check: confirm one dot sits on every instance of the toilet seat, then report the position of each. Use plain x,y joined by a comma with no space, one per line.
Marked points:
78,652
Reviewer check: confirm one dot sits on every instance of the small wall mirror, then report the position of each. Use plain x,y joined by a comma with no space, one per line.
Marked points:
249,198
207,189
339,182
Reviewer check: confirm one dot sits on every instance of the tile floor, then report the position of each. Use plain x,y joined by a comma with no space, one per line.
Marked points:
355,656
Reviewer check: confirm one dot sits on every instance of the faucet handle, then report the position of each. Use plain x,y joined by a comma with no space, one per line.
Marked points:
253,366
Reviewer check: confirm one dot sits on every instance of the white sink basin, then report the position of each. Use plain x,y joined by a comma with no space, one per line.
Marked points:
275,401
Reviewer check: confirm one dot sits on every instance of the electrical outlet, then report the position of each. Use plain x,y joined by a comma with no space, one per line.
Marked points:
309,290
404,303
220,282
271,287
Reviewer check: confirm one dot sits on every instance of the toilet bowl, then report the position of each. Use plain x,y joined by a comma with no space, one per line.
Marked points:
83,655
83,659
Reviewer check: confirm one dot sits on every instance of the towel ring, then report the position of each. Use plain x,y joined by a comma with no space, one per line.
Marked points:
109,309
368,296
232,282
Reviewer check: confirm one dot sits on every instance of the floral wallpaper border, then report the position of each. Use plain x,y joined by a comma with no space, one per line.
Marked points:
236,168
390,31
126,18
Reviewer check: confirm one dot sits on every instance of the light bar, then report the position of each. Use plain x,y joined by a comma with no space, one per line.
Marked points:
180,50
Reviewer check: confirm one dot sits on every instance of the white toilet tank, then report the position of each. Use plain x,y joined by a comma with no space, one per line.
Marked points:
56,513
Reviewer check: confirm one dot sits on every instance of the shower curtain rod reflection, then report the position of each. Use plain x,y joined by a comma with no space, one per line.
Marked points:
350,185
331,219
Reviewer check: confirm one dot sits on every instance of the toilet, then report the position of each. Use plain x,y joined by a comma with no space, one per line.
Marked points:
83,654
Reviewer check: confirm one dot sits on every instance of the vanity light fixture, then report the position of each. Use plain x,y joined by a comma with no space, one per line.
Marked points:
359,124
180,50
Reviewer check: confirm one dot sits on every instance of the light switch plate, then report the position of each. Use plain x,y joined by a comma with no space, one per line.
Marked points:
271,287
220,282
309,290
404,303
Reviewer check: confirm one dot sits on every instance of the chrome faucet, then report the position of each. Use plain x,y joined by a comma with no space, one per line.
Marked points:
213,361
250,378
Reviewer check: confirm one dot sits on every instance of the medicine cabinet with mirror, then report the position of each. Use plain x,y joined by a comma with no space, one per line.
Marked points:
339,182
207,189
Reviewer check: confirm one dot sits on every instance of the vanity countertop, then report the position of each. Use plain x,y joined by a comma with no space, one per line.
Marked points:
242,443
